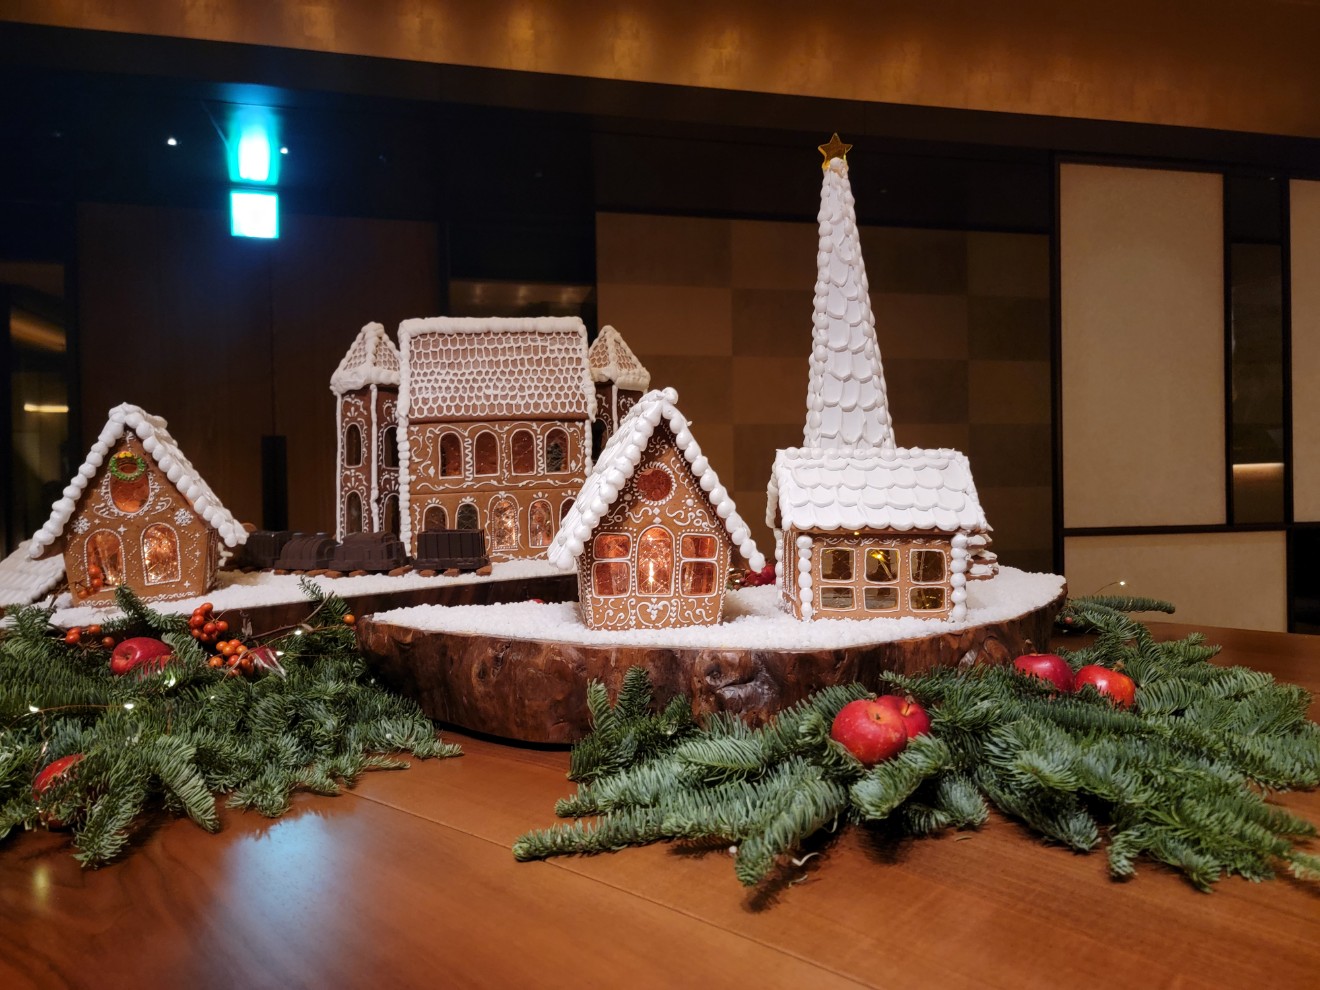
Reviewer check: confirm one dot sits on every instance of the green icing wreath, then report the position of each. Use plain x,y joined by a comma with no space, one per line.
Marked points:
125,455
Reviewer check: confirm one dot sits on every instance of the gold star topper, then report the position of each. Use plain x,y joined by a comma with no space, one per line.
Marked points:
834,149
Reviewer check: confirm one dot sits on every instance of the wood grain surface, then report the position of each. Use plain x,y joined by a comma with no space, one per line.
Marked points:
408,881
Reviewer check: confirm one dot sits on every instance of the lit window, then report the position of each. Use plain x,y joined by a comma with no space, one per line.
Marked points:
160,554
539,527
655,562
697,572
451,455
504,523
524,452
487,453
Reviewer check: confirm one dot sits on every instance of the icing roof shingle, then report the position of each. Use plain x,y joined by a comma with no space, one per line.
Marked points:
846,401
371,360
162,449
616,465
461,368
24,580
878,488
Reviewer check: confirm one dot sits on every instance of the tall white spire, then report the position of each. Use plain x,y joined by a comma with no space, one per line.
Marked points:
846,402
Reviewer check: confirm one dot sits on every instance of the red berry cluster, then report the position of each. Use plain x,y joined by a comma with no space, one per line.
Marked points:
95,581
88,636
205,627
233,654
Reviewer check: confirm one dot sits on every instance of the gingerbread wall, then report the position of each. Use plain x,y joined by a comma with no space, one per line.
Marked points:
510,506
697,538
897,590
142,533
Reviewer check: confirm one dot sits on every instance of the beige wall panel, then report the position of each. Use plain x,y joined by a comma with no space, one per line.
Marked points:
1142,303
1219,579
1305,197
1201,63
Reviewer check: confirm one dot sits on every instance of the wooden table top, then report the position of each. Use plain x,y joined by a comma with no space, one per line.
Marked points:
408,881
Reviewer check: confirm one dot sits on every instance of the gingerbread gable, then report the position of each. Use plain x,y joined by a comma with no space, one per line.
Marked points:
475,369
615,468
612,361
157,443
371,360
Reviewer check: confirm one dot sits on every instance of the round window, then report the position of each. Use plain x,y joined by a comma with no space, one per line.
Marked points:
654,484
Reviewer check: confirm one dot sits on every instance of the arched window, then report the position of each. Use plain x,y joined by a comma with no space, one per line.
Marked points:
391,520
451,456
467,516
655,562
104,554
160,554
486,453
389,447
599,437
564,507
504,524
353,513
540,527
556,452
353,445
524,452
435,519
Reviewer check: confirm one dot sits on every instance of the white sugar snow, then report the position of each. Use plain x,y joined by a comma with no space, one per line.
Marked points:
752,619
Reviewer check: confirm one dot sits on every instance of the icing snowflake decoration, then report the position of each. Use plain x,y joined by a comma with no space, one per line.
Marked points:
82,526
181,518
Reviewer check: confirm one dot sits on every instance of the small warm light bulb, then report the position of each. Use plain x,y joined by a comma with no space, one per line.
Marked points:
297,632
128,706
170,682
33,709
1122,584
172,141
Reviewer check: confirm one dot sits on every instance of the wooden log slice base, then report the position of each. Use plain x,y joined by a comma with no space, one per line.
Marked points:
535,691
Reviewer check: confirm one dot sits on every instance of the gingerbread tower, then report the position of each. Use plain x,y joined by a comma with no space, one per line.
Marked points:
366,388
620,381
863,528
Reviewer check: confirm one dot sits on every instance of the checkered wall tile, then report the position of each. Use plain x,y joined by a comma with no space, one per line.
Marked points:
721,311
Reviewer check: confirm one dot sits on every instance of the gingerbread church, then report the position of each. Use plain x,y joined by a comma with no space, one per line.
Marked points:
137,513
652,530
864,528
366,388
494,428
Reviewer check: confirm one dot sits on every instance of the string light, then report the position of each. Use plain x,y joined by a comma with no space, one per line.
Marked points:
33,709
128,706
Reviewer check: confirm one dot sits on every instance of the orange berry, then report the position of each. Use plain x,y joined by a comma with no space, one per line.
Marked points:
93,630
222,626
216,662
108,642
350,619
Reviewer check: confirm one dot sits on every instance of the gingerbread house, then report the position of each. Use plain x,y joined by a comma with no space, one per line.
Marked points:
138,514
366,388
494,428
863,528
620,380
652,530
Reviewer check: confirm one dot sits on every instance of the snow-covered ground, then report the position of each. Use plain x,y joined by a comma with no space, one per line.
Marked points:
752,620
235,590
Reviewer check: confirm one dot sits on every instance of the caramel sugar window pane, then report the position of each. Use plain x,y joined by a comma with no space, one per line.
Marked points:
654,484
698,577
927,566
881,599
610,579
927,599
836,564
611,545
655,562
836,598
698,546
882,565
524,453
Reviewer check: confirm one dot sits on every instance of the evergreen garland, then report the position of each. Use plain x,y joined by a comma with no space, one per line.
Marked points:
181,736
1181,779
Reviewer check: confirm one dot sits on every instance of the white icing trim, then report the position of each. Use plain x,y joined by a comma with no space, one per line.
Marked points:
374,508
339,467
617,463
158,443
24,580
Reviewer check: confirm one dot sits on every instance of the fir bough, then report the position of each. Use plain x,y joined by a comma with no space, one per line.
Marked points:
1180,779
181,737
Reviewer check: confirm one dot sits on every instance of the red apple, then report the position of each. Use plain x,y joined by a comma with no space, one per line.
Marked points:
141,651
48,775
1048,667
869,730
1116,686
915,719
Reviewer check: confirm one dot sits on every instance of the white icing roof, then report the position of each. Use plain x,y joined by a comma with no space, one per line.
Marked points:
612,360
616,465
846,401
24,580
372,360
168,457
878,488
466,368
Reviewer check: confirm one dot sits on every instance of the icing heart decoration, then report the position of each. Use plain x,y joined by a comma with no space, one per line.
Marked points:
655,612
